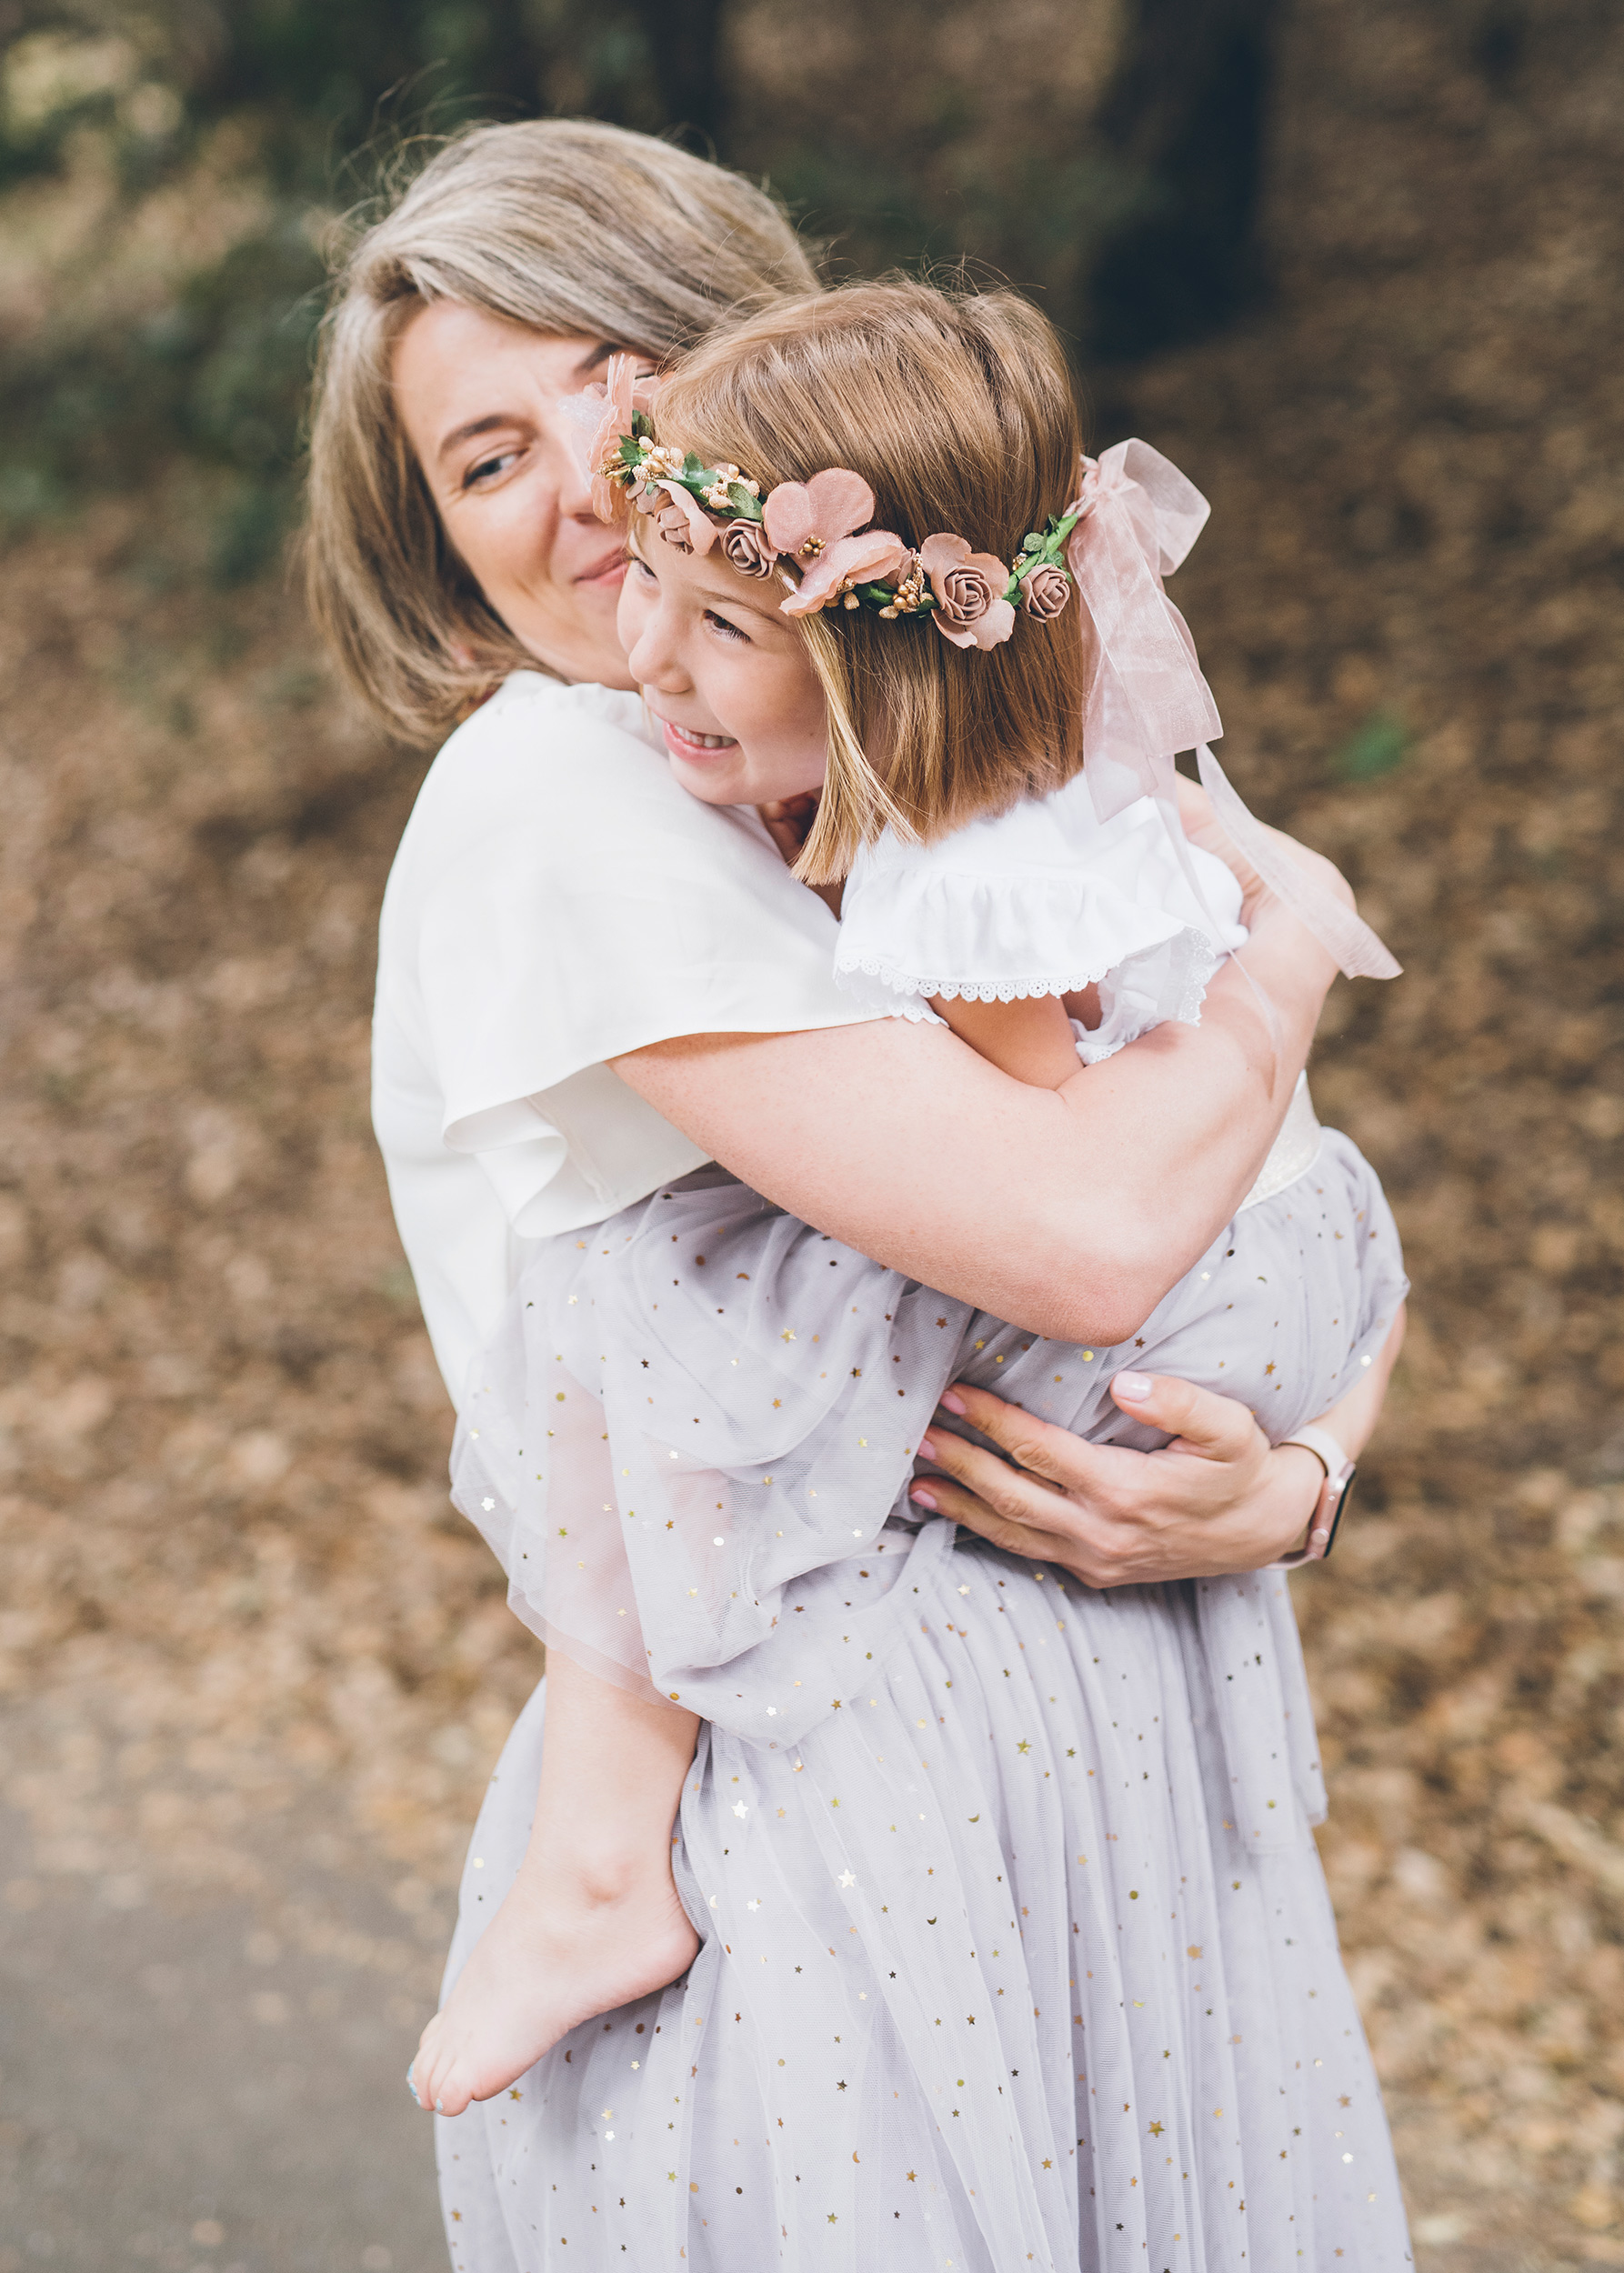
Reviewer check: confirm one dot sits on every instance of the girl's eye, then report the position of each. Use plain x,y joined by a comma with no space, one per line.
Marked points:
490,467
642,571
720,623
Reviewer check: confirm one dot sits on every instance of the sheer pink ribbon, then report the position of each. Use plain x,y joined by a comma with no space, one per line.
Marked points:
1147,698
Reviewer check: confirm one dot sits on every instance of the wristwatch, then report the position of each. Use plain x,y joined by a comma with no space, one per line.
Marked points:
1340,1473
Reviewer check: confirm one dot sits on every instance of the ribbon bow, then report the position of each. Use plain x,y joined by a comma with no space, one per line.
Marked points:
1139,517
1148,699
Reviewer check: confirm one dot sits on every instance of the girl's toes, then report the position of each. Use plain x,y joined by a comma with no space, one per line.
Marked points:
427,2078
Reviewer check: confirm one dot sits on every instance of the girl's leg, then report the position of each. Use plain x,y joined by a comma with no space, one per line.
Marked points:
592,1919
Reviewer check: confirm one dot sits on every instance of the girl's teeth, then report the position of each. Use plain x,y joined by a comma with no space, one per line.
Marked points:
706,741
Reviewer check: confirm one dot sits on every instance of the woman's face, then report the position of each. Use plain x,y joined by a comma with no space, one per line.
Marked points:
725,674
478,398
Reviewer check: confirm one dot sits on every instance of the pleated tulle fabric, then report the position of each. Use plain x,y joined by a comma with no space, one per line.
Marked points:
991,1979
1016,1948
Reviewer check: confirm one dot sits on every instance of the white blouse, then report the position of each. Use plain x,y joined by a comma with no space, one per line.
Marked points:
1043,899
557,900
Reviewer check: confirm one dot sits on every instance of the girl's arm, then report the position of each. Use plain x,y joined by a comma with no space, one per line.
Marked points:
1030,1039
1069,1211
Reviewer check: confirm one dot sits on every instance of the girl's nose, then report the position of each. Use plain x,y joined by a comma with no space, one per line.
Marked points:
654,658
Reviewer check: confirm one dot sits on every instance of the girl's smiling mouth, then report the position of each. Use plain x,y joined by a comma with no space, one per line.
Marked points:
688,742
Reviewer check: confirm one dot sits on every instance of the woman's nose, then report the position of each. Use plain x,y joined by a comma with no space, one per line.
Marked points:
575,483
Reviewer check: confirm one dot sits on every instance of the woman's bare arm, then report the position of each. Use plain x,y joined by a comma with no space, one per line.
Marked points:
1071,1212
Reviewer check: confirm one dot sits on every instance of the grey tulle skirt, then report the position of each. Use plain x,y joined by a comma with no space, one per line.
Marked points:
1016,1948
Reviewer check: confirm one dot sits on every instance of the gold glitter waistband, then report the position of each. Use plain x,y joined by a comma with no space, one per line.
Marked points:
1294,1150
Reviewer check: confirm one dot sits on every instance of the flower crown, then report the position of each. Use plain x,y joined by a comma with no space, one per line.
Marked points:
819,529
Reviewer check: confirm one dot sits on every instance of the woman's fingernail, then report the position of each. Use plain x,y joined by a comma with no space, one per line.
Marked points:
926,1448
1135,1387
922,1498
951,1403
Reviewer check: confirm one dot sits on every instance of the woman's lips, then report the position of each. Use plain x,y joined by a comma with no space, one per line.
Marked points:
608,572
687,742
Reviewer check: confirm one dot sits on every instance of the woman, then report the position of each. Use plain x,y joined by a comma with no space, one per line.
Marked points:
454,541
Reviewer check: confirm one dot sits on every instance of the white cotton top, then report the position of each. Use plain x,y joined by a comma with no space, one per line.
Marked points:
1043,899
557,900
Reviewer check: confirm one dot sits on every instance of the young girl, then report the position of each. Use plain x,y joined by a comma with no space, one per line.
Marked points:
865,569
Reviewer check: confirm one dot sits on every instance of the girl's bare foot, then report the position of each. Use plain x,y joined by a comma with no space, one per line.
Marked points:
565,1945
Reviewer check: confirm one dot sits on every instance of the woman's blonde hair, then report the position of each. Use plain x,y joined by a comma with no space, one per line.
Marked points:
957,408
565,226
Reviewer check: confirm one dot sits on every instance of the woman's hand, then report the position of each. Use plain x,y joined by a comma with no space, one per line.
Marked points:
1218,1499
789,822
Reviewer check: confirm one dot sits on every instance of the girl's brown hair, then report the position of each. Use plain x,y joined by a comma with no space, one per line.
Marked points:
563,225
957,409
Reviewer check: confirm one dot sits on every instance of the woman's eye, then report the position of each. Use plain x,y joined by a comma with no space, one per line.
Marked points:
720,623
490,467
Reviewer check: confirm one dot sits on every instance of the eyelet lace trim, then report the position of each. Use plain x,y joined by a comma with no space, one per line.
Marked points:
967,990
1203,958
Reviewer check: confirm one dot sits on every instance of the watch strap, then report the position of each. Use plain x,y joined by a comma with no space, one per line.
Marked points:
1330,1454
1340,1472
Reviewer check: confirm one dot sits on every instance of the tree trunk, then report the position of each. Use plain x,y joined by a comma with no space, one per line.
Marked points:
1187,113
682,35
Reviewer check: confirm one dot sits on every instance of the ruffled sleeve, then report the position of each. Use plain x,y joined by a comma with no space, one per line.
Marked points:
1043,899
558,900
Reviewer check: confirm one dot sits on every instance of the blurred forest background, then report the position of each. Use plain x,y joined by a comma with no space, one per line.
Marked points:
1359,267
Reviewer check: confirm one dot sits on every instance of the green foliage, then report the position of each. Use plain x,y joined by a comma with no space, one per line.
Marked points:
1378,747
118,367
215,367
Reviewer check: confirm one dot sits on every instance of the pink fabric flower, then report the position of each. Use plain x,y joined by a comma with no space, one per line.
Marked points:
970,608
804,519
627,390
1044,591
745,548
865,559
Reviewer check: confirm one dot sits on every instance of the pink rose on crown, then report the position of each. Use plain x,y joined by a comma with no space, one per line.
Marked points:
1044,591
745,548
812,524
970,608
683,520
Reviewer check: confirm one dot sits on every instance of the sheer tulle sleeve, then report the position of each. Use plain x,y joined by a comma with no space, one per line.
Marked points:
690,1444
